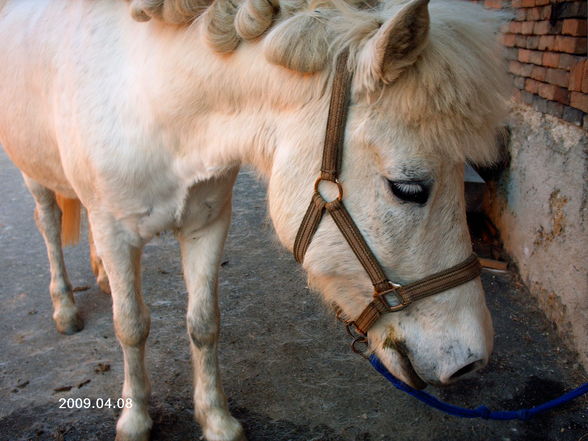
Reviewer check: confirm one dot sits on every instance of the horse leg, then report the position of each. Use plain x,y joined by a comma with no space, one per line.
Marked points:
97,266
48,219
121,255
201,253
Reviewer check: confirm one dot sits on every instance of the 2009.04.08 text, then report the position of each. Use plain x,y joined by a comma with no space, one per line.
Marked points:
95,403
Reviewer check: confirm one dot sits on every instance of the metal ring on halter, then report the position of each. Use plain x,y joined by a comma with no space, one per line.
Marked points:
360,341
336,181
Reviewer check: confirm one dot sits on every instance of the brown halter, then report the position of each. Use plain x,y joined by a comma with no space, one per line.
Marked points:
388,296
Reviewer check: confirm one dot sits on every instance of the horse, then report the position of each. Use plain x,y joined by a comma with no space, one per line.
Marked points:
143,111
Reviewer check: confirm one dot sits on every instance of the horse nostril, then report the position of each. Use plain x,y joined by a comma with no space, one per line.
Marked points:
467,369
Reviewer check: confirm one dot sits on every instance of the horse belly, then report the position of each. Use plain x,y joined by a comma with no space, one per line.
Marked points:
26,131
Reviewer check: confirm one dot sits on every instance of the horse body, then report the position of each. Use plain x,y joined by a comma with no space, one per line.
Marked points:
146,124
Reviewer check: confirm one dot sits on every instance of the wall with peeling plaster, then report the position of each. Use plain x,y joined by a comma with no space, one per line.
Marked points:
539,203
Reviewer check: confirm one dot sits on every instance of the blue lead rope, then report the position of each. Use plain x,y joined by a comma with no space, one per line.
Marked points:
482,411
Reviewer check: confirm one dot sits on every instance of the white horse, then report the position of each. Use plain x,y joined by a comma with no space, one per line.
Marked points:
147,124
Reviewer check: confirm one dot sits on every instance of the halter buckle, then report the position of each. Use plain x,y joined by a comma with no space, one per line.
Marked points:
391,299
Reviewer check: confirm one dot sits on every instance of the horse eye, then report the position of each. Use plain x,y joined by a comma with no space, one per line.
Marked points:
410,191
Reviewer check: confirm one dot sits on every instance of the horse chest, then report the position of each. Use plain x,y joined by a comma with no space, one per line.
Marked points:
157,194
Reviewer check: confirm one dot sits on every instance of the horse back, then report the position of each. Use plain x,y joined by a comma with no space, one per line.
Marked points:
26,126
46,43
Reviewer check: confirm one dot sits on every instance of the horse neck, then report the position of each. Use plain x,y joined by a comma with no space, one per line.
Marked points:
231,109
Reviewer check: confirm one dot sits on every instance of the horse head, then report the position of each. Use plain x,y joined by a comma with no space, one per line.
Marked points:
426,97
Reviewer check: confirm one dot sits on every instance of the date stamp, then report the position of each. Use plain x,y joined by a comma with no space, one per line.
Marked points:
95,403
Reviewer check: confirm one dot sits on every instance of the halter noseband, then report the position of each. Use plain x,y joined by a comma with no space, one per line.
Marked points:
388,296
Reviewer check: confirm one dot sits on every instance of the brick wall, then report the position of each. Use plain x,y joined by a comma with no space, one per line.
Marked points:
546,51
539,202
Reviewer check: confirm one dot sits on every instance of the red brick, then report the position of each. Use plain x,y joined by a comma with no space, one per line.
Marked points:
515,27
533,57
577,76
508,40
527,41
538,73
575,27
571,45
521,14
558,77
542,27
546,27
516,3
524,55
541,2
579,101
533,41
520,69
550,59
493,4
527,3
533,14
538,13
532,86
527,27
567,61
585,80
546,42
554,93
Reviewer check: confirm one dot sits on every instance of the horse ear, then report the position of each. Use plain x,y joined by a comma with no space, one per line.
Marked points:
399,41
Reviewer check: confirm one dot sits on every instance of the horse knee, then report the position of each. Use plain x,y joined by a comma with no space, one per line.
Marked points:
202,334
132,329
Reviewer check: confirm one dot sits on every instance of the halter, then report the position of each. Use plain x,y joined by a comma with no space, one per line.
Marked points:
388,296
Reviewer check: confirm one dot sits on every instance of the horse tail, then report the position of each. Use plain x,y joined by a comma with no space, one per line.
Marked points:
70,219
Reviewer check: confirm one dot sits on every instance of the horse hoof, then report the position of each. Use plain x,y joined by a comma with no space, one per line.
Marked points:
229,430
133,425
69,325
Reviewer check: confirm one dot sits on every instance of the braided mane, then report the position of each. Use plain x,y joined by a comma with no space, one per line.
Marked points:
228,22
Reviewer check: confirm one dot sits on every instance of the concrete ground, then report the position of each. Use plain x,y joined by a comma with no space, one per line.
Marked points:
286,362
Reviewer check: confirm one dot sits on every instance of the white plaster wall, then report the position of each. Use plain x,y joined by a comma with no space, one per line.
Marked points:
540,206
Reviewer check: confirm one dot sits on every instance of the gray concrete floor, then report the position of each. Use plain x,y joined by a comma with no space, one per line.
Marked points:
286,363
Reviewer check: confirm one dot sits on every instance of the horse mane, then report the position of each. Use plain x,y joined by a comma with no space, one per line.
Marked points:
456,87
169,11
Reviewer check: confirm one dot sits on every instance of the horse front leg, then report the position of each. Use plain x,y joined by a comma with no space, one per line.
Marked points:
201,253
121,255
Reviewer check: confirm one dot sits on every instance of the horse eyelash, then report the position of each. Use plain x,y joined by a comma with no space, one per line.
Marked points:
415,192
408,187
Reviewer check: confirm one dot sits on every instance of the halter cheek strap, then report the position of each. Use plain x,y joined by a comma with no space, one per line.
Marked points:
388,296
